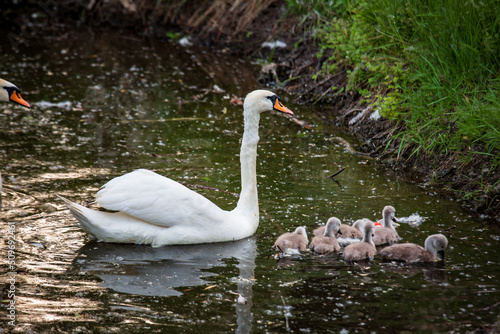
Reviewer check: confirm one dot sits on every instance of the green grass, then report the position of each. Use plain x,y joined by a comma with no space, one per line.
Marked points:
433,65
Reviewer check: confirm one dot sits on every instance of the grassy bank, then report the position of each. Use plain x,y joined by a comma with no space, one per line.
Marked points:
432,65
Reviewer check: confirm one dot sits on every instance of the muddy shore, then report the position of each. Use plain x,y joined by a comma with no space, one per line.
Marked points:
292,70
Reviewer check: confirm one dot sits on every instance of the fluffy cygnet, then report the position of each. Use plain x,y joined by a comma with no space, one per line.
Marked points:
292,240
327,243
362,250
412,253
386,234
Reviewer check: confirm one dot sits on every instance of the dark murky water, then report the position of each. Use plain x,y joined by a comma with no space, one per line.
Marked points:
123,104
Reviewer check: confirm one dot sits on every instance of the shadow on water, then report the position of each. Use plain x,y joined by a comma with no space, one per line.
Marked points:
115,104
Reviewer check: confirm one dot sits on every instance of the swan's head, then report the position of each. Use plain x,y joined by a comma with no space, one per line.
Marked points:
389,213
10,93
264,100
358,224
301,230
436,244
332,226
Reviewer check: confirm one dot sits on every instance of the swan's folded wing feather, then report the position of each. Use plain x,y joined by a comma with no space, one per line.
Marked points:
157,200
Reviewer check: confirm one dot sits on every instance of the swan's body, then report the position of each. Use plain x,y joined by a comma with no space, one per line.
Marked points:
386,234
292,241
10,93
327,243
362,250
156,210
412,253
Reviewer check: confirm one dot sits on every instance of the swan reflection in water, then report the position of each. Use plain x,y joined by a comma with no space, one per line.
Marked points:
143,270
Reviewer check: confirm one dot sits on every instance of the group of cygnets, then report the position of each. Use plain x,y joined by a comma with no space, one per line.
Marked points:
370,233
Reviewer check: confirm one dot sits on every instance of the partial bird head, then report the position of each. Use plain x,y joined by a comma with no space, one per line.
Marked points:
438,242
301,230
358,224
263,100
368,228
389,213
10,93
332,226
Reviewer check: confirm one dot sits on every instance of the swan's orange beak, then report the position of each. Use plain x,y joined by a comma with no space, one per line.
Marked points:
16,97
280,107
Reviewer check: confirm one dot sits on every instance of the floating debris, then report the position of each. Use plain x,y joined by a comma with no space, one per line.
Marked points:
413,220
274,45
185,41
37,244
217,89
236,101
66,105
210,287
289,283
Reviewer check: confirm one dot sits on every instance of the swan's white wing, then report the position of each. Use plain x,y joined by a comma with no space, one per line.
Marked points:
158,200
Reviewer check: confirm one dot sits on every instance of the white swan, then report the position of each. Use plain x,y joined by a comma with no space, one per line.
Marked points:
156,210
10,93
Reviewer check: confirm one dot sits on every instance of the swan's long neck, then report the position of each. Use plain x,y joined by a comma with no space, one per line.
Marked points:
388,220
248,203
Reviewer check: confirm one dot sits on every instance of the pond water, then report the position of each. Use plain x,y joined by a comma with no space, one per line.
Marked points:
105,104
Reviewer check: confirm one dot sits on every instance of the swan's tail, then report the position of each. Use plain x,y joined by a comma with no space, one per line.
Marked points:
117,226
83,221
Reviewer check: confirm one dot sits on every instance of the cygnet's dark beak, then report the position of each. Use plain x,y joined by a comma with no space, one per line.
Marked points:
441,254
340,232
394,219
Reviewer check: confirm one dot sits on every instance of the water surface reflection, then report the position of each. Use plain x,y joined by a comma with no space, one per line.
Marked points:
167,271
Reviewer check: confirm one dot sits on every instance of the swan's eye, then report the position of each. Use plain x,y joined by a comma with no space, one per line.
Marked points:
273,98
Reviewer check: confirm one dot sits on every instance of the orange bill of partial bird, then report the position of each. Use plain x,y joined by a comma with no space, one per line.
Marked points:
15,96
11,93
